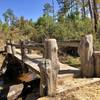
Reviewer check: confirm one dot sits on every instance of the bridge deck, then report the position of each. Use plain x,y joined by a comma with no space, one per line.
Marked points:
33,60
66,72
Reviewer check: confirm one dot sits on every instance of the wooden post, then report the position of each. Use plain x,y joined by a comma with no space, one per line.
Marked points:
86,55
12,48
22,54
97,63
8,45
51,49
51,52
47,86
22,50
25,42
28,49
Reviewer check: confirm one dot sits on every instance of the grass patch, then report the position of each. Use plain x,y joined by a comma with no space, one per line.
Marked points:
70,60
73,61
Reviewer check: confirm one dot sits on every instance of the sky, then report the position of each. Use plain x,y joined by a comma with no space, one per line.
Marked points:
27,8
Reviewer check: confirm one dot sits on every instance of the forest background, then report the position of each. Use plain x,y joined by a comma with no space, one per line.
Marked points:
74,19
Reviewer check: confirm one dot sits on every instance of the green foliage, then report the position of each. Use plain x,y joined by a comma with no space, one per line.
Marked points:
44,26
69,27
9,17
47,9
5,28
0,25
72,29
73,61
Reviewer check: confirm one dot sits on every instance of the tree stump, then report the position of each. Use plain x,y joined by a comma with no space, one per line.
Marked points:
86,55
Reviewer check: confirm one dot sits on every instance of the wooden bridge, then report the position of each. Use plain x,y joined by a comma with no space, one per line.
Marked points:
46,65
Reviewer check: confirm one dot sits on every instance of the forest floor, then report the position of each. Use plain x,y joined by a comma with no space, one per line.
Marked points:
81,89
85,91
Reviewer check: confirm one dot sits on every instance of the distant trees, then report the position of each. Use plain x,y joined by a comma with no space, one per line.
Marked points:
95,15
73,19
9,17
0,25
17,28
47,9
83,7
43,26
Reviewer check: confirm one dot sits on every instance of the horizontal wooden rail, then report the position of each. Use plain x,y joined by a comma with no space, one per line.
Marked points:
32,44
69,43
26,45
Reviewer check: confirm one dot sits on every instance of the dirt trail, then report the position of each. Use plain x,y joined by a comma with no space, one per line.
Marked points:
88,92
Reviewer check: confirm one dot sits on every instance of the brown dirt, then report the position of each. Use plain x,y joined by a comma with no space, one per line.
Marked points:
75,88
88,92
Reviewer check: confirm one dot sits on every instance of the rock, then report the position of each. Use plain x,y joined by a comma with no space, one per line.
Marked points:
14,91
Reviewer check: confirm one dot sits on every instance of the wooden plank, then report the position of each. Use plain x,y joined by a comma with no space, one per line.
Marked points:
68,43
32,65
31,44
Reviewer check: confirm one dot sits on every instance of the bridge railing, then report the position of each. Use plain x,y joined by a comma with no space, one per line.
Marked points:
49,67
29,45
23,46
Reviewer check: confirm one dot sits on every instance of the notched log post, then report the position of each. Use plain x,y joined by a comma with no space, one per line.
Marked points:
86,55
46,82
51,53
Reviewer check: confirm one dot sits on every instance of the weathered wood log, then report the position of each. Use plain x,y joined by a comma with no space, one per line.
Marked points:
97,63
51,52
86,55
47,83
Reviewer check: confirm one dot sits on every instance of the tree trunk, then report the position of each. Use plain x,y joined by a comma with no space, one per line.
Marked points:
84,12
95,15
90,9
